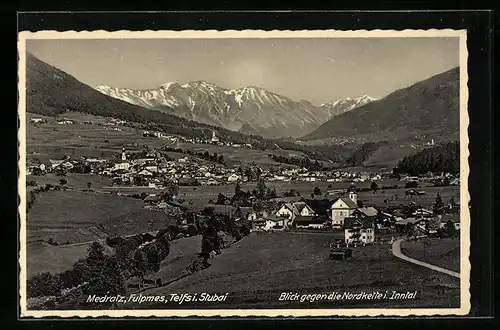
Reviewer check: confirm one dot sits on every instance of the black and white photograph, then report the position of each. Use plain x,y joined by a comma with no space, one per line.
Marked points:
244,173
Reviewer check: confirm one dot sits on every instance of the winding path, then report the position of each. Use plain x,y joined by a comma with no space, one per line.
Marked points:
396,250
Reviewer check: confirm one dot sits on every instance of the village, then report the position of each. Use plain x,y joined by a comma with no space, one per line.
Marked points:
151,174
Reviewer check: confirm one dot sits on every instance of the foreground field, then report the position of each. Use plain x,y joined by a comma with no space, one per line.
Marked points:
394,196
76,181
73,217
440,252
43,257
256,270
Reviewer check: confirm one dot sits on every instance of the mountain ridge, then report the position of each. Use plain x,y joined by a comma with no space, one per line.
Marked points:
430,105
246,109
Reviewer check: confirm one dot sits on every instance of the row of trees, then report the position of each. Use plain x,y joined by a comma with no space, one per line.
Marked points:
441,158
211,228
216,158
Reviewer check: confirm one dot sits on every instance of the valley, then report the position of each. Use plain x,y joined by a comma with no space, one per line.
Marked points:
197,188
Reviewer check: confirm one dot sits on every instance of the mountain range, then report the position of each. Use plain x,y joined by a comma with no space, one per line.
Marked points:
249,110
428,107
51,92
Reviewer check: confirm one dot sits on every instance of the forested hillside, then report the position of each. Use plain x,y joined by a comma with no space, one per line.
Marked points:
442,158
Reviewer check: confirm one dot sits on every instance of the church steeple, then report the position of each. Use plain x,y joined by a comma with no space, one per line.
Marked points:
124,154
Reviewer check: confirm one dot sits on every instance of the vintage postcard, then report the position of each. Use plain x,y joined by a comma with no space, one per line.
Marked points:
243,173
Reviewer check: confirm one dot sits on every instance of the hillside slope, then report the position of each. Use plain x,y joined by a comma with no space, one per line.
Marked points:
429,106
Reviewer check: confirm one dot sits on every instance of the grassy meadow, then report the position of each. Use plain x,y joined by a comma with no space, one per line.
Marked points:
257,269
440,252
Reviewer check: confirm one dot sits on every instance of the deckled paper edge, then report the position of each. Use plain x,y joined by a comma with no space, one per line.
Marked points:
465,266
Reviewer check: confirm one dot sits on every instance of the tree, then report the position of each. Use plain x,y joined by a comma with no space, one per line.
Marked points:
316,191
449,229
44,284
374,186
237,190
60,171
89,184
140,264
110,279
221,199
62,182
261,189
172,189
438,206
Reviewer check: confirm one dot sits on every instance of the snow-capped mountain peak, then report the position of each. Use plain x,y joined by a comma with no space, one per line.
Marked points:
340,106
254,109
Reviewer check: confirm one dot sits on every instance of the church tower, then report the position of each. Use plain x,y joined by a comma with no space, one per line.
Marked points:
124,154
353,196
214,137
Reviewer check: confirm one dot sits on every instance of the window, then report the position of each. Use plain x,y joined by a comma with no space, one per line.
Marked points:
340,213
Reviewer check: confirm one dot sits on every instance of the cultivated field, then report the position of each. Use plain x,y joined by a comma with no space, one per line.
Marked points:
43,257
53,141
257,269
77,181
74,217
440,252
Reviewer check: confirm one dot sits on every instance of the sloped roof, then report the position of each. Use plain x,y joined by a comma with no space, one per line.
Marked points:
350,204
453,217
349,222
299,206
368,211
308,220
152,198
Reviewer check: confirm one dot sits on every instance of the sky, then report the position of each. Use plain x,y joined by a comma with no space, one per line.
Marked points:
313,69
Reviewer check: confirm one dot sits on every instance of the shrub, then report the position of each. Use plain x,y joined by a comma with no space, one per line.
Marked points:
44,284
192,230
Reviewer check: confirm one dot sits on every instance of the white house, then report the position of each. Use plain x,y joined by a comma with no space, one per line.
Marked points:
233,178
359,230
145,173
304,210
122,166
342,208
289,211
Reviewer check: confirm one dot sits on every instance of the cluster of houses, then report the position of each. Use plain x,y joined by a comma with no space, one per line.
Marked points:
359,223
214,140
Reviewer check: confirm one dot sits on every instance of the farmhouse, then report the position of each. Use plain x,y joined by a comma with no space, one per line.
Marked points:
152,199
269,221
290,211
422,213
359,230
37,120
411,224
343,207
65,121
233,178
450,218
365,212
121,166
